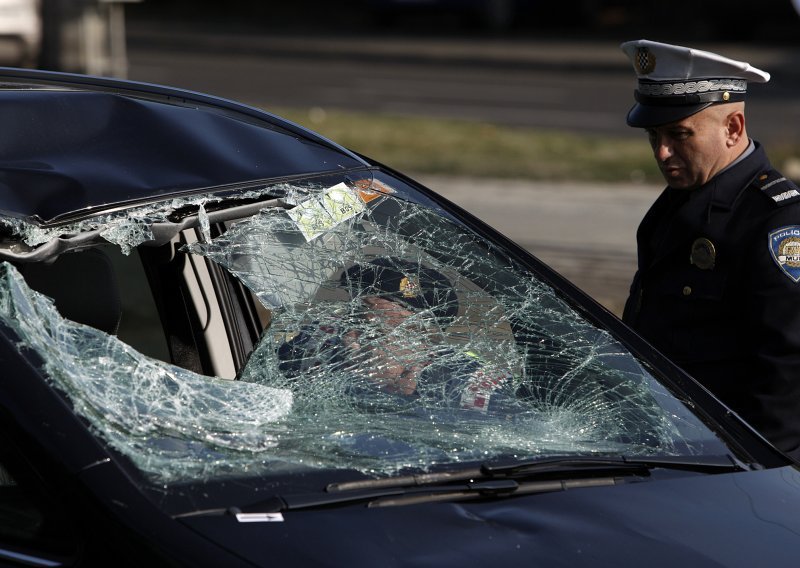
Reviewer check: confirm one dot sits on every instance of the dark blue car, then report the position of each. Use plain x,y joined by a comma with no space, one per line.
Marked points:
228,341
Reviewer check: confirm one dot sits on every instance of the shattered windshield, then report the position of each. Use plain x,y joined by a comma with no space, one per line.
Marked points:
397,338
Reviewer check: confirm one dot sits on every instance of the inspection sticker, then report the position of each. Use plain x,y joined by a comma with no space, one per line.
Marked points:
259,517
323,212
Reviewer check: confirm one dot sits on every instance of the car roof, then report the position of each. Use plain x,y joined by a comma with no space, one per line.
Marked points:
73,146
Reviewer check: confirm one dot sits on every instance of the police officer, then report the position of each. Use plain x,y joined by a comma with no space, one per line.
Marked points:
718,284
399,307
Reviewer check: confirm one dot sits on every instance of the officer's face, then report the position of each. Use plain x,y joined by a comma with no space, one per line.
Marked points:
693,150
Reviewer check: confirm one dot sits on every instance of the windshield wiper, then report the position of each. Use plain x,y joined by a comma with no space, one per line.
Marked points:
575,464
561,465
294,502
408,490
494,480
416,480
541,475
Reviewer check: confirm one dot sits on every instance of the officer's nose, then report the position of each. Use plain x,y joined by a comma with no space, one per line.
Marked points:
662,151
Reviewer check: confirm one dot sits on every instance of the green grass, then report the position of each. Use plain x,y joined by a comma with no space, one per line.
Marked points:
459,147
423,145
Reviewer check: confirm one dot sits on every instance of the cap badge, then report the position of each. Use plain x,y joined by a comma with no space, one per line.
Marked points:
645,61
784,245
409,288
704,254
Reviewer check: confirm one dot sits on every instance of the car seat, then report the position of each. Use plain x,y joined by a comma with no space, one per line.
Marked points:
83,286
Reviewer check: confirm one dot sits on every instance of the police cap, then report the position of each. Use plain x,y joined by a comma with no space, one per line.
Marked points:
676,82
416,286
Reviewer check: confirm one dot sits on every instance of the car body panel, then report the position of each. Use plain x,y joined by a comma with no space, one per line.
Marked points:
140,150
650,523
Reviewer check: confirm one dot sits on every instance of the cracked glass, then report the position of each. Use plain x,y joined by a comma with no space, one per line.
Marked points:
398,338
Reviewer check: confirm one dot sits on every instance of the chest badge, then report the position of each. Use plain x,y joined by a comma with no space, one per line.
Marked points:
784,245
704,254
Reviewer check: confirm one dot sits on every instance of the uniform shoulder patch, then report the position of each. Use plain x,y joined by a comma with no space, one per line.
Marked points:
784,246
777,187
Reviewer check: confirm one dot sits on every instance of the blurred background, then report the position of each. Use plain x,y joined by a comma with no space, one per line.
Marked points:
514,109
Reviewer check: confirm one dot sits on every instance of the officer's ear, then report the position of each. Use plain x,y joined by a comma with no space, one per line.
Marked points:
734,127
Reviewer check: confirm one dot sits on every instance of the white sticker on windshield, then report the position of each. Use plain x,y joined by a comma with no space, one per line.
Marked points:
321,213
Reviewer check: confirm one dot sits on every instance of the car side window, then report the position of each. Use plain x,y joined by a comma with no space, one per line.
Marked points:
209,319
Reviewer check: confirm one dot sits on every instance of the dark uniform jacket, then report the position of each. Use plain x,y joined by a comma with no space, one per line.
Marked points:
717,291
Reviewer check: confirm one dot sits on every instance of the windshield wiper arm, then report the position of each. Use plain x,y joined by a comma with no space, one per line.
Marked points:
490,487
577,464
416,480
573,465
561,474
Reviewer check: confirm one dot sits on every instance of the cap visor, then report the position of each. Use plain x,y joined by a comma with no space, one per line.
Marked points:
645,116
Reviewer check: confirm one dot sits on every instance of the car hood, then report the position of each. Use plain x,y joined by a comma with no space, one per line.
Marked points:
711,520
67,151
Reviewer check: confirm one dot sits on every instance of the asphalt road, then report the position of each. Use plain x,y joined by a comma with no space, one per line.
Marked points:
564,84
585,232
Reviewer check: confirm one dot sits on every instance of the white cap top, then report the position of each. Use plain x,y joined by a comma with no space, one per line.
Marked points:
664,62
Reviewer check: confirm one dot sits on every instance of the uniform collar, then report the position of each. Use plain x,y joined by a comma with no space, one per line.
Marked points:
749,150
725,188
